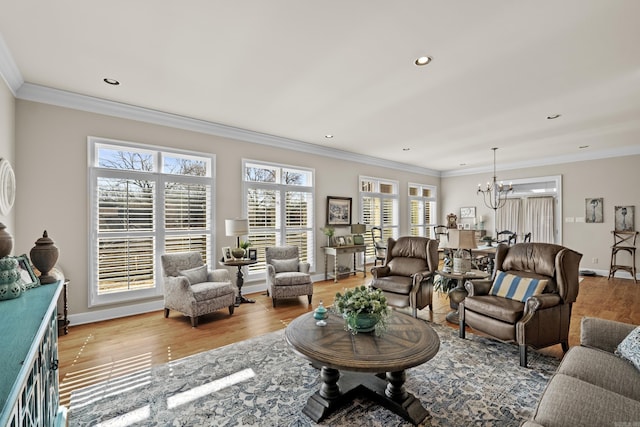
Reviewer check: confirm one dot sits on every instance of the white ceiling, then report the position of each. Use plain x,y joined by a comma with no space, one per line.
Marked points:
301,69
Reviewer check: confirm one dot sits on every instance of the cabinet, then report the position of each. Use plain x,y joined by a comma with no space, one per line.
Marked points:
29,393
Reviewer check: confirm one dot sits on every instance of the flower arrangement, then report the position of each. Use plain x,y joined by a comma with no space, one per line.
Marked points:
328,231
362,301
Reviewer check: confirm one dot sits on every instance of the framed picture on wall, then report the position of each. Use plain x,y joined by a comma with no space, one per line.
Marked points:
468,212
593,210
625,218
338,210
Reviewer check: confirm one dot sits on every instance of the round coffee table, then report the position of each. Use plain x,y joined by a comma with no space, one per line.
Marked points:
349,363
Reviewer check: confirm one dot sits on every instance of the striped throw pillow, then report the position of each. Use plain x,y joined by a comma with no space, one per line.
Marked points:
515,287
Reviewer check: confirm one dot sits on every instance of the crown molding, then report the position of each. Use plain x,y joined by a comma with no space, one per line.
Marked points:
546,161
47,95
8,68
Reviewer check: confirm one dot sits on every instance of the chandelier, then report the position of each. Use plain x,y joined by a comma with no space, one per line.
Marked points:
495,194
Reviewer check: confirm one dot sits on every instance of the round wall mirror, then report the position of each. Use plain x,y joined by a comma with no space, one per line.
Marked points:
7,187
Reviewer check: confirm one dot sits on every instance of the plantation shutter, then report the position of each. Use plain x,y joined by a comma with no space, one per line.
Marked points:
187,208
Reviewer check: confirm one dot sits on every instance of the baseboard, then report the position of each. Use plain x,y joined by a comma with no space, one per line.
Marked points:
620,274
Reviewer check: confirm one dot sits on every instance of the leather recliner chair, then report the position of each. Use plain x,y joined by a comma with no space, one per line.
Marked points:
541,320
407,276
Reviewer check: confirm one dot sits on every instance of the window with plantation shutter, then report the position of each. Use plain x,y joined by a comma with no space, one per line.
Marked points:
379,207
422,210
145,202
279,205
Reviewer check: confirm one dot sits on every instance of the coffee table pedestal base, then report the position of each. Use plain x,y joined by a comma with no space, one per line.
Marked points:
339,388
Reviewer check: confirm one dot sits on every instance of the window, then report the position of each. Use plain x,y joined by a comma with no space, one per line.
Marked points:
379,207
280,207
422,210
145,202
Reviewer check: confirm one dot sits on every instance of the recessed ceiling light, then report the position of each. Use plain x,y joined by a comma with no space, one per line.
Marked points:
406,149
328,136
112,82
463,164
583,146
423,60
553,116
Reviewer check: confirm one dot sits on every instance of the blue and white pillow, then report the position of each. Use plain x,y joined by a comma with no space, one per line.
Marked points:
516,287
629,348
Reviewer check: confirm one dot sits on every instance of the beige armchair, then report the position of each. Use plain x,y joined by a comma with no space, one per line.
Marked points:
407,277
538,321
193,290
287,276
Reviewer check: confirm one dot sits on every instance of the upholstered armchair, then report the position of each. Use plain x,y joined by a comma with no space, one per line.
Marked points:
407,276
529,298
193,290
287,276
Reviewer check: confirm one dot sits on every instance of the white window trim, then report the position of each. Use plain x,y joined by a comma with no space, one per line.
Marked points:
259,275
395,196
432,198
159,234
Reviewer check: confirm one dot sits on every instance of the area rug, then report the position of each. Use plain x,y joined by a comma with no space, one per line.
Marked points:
261,382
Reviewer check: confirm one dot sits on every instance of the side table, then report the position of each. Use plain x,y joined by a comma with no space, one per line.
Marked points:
240,277
459,293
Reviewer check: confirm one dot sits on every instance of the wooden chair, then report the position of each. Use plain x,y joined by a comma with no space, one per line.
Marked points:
623,241
527,238
379,246
506,236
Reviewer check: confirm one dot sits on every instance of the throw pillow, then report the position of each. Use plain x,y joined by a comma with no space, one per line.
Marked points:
629,348
282,265
195,275
515,287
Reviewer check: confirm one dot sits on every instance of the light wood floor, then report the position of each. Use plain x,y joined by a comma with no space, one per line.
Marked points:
98,351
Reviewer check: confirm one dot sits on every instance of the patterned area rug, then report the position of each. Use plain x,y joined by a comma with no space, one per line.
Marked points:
261,382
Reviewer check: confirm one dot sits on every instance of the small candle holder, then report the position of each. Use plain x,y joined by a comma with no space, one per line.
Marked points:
320,314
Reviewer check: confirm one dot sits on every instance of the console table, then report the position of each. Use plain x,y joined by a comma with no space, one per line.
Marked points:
29,393
338,250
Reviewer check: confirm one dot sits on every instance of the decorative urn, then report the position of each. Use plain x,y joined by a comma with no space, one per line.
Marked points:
44,256
6,241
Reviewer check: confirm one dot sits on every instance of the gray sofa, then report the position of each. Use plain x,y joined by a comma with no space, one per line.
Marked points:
592,386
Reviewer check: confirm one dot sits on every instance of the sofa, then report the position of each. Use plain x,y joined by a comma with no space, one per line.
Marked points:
592,386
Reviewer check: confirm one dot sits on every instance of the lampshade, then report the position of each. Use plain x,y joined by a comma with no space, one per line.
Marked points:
358,228
462,239
236,227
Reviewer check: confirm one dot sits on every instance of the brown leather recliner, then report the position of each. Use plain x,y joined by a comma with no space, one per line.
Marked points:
407,277
541,320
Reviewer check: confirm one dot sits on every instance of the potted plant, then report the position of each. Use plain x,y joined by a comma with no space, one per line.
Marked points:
328,231
364,309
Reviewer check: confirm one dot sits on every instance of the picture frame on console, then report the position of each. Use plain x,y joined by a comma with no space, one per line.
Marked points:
339,210
253,254
27,275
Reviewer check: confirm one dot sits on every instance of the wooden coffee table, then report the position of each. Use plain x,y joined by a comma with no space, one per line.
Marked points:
349,363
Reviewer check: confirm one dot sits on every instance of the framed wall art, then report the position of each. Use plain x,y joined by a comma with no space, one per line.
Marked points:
338,210
468,212
624,218
593,211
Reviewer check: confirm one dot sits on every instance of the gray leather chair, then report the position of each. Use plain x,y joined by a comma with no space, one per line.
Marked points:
193,290
407,276
287,276
539,321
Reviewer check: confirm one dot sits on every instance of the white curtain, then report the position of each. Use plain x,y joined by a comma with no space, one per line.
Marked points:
538,219
509,216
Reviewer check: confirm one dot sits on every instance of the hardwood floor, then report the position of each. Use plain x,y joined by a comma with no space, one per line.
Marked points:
98,351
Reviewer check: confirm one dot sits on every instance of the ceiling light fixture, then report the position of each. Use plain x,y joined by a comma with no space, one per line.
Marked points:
583,146
423,60
495,195
406,149
553,116
112,82
328,136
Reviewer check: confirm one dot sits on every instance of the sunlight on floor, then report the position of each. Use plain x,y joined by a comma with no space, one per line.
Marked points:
208,388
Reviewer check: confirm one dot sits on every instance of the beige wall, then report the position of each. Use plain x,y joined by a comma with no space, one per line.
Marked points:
52,155
7,143
614,179
51,172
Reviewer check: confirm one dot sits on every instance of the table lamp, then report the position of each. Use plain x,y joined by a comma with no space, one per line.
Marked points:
358,230
237,227
463,241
